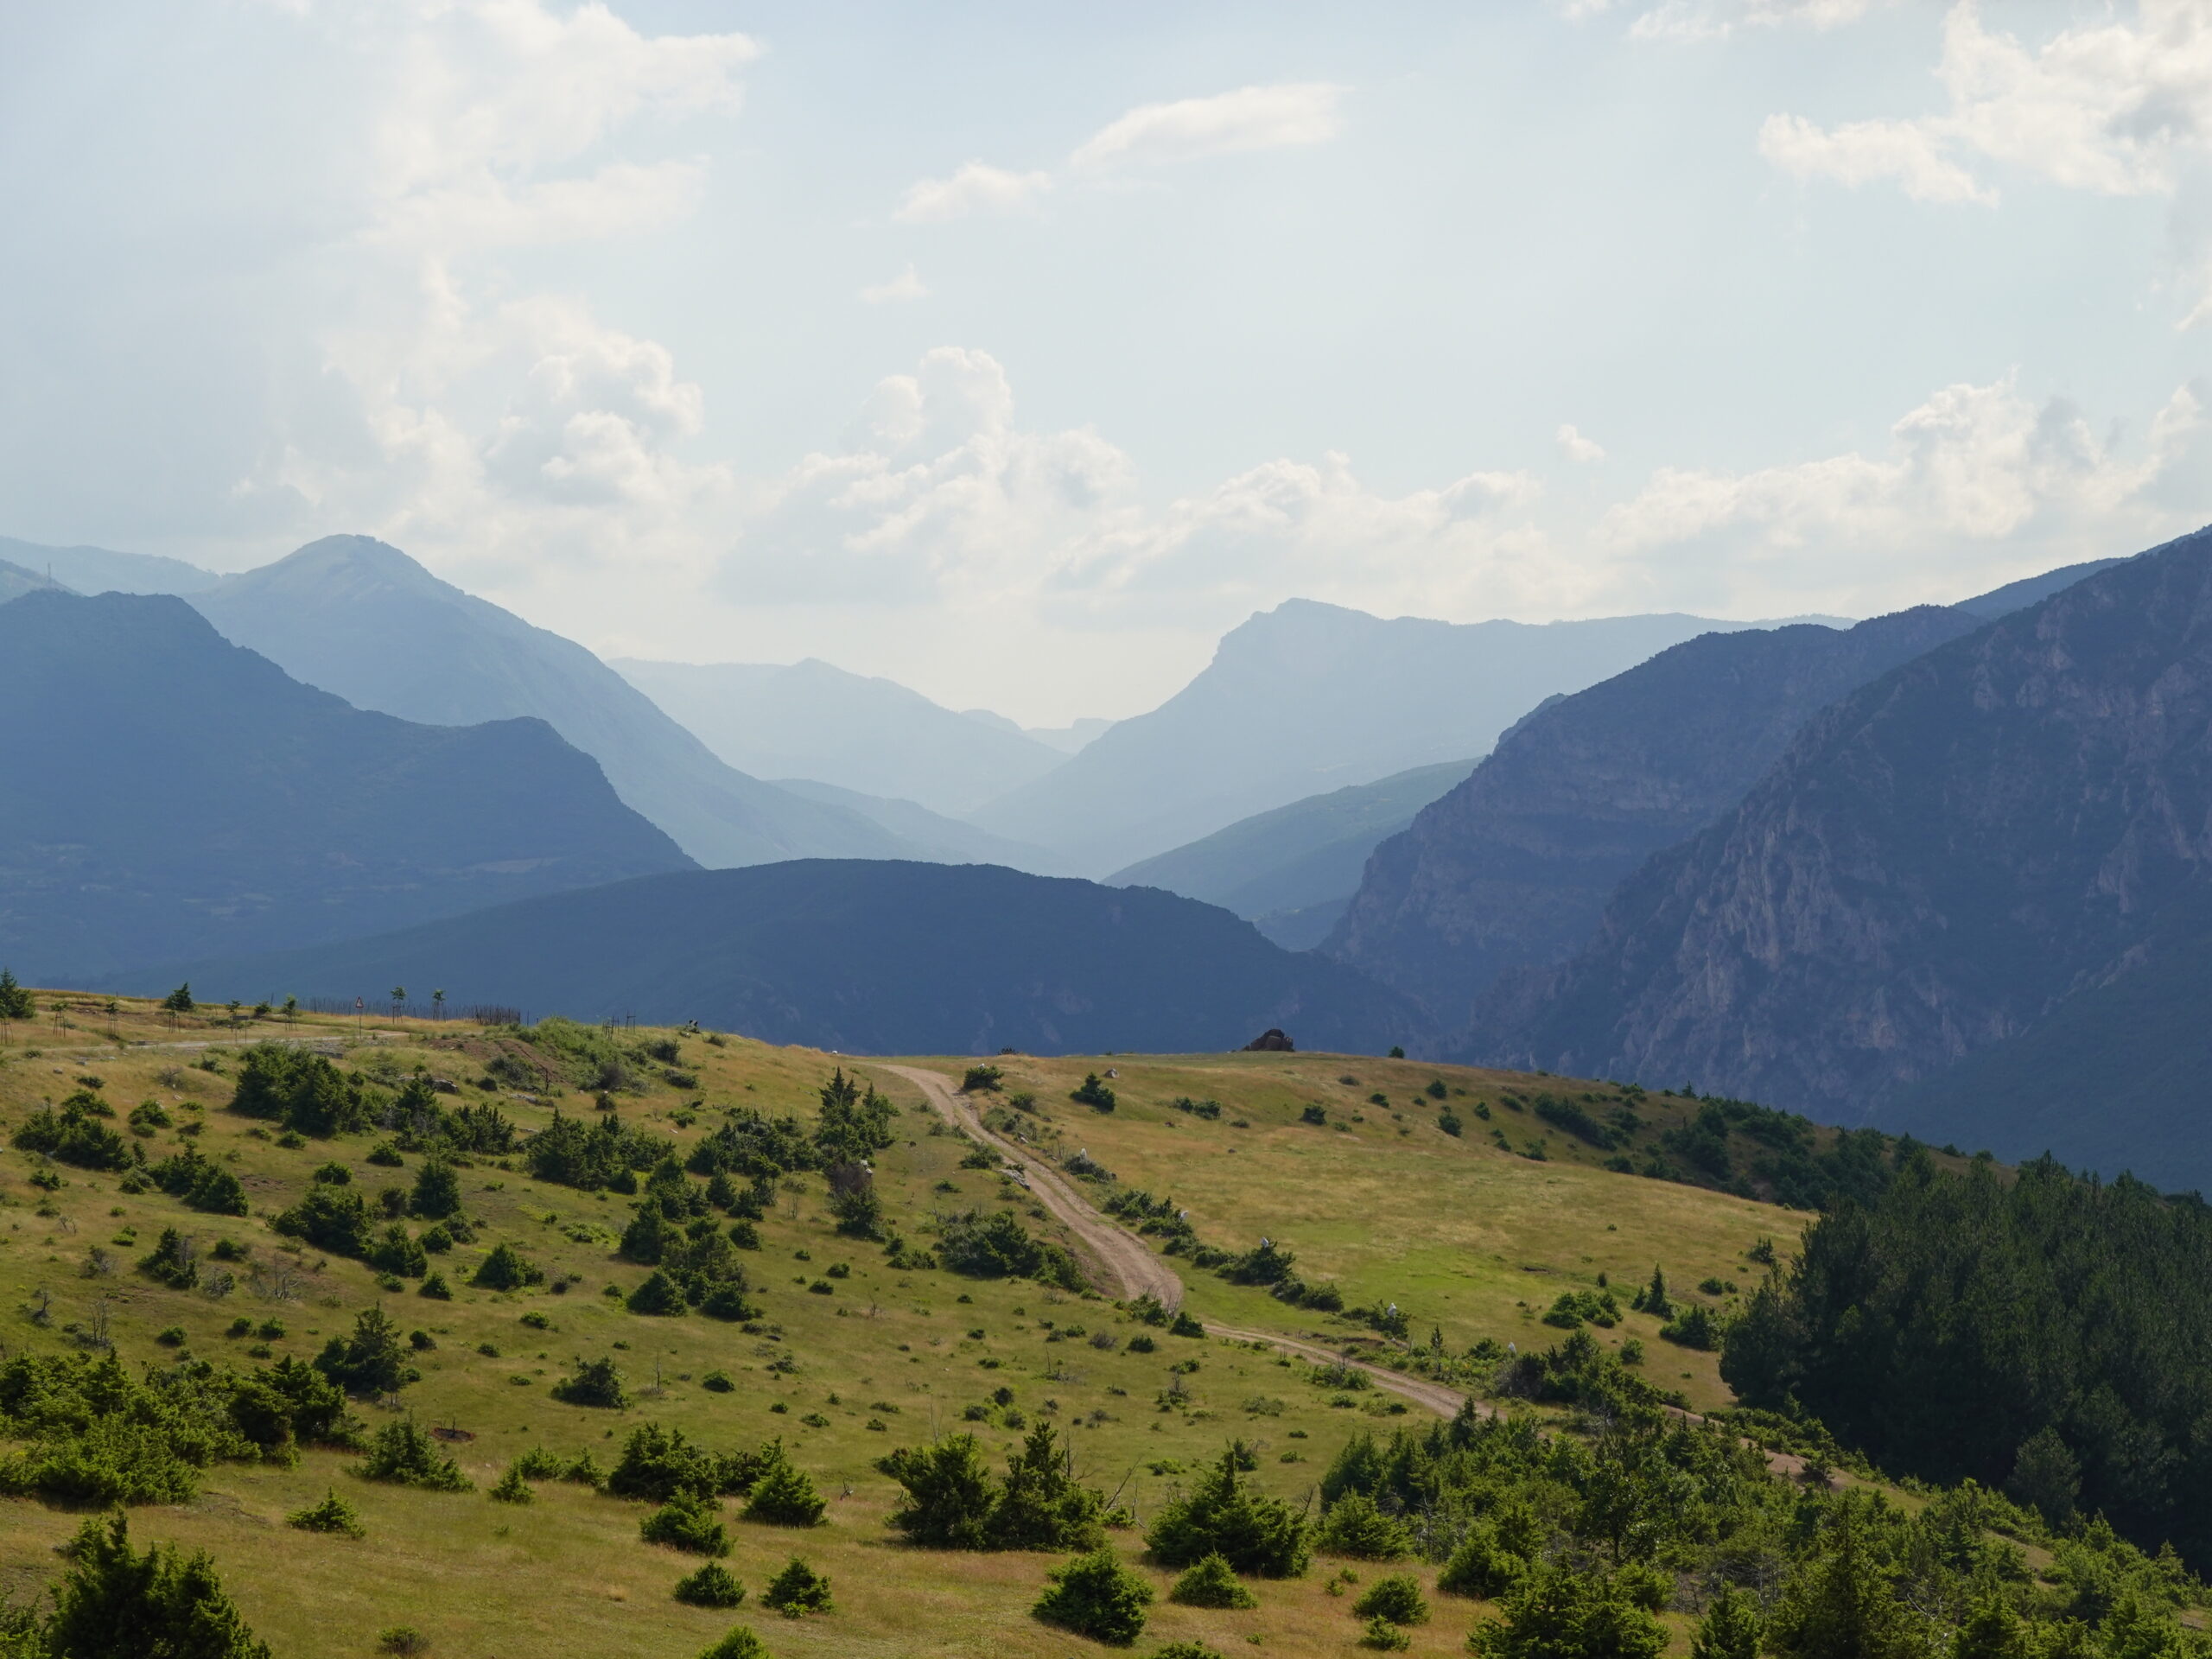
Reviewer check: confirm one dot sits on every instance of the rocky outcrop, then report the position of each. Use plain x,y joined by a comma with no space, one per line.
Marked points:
1271,1041
1514,867
1936,864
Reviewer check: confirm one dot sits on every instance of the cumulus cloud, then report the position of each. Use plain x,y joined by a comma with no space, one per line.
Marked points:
2119,107
975,188
1975,470
449,407
1576,447
1251,117
1864,152
906,285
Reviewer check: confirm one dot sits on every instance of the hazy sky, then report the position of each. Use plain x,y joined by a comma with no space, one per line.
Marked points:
1016,351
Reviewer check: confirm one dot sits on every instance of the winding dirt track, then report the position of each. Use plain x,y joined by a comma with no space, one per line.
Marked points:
1136,1270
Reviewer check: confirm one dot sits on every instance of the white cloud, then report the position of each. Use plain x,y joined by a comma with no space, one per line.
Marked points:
1700,20
975,188
1576,447
906,285
1249,119
1976,471
1865,152
2117,107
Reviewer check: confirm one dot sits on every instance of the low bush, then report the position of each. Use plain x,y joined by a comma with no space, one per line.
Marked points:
1211,1582
1096,1596
404,1456
334,1515
798,1590
687,1521
596,1382
1397,1599
1354,1527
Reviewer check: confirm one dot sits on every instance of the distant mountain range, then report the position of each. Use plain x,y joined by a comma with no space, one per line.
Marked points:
1290,872
865,958
169,793
1514,867
15,581
102,570
811,720
1997,854
1306,699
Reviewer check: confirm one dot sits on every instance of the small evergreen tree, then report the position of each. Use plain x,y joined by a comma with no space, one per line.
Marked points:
1397,1599
782,1494
1353,1526
1262,1537
596,1382
14,1002
1384,1636
371,1360
1482,1567
1091,1092
114,1601
688,1520
1096,1596
512,1488
334,1515
1730,1628
712,1585
798,1590
437,1191
740,1643
1652,1298
403,1455
1563,1613
179,999
950,1493
435,1288
507,1268
2045,1477
1211,1582
659,1295
1041,1506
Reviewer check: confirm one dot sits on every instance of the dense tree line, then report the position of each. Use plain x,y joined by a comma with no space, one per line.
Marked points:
2051,1333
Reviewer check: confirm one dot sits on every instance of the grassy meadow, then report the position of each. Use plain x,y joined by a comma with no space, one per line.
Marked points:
1467,1237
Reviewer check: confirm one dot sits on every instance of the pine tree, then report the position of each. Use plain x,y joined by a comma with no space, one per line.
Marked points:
1096,1596
798,1590
14,1000
1042,1507
114,1600
1730,1628
1212,1583
179,999
782,1495
712,1585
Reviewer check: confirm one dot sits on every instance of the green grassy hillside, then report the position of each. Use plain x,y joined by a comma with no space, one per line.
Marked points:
849,1355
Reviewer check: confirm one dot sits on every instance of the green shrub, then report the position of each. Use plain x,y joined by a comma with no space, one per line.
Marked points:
717,1382
1353,1526
1260,1537
687,1521
302,1090
174,1262
740,1643
334,1515
782,1494
1482,1567
512,1488
437,1191
798,1590
404,1456
370,1360
1731,1628
997,1246
712,1585
1563,1610
659,1295
1186,1650
114,1600
507,1268
1384,1636
435,1288
1211,1582
1096,1596
72,1134
979,1077
1093,1093
596,1382
1397,1599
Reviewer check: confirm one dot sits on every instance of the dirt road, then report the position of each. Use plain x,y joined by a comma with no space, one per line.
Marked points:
1135,1270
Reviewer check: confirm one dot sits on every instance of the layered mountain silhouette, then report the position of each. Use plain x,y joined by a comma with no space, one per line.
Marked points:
15,581
2001,838
867,958
814,720
1305,699
1293,870
104,570
361,619
1515,866
170,794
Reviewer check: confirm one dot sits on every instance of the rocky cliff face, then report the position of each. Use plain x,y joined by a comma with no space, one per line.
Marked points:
1936,863
1514,867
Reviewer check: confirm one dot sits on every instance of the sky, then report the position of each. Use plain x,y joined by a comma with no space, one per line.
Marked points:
1016,352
